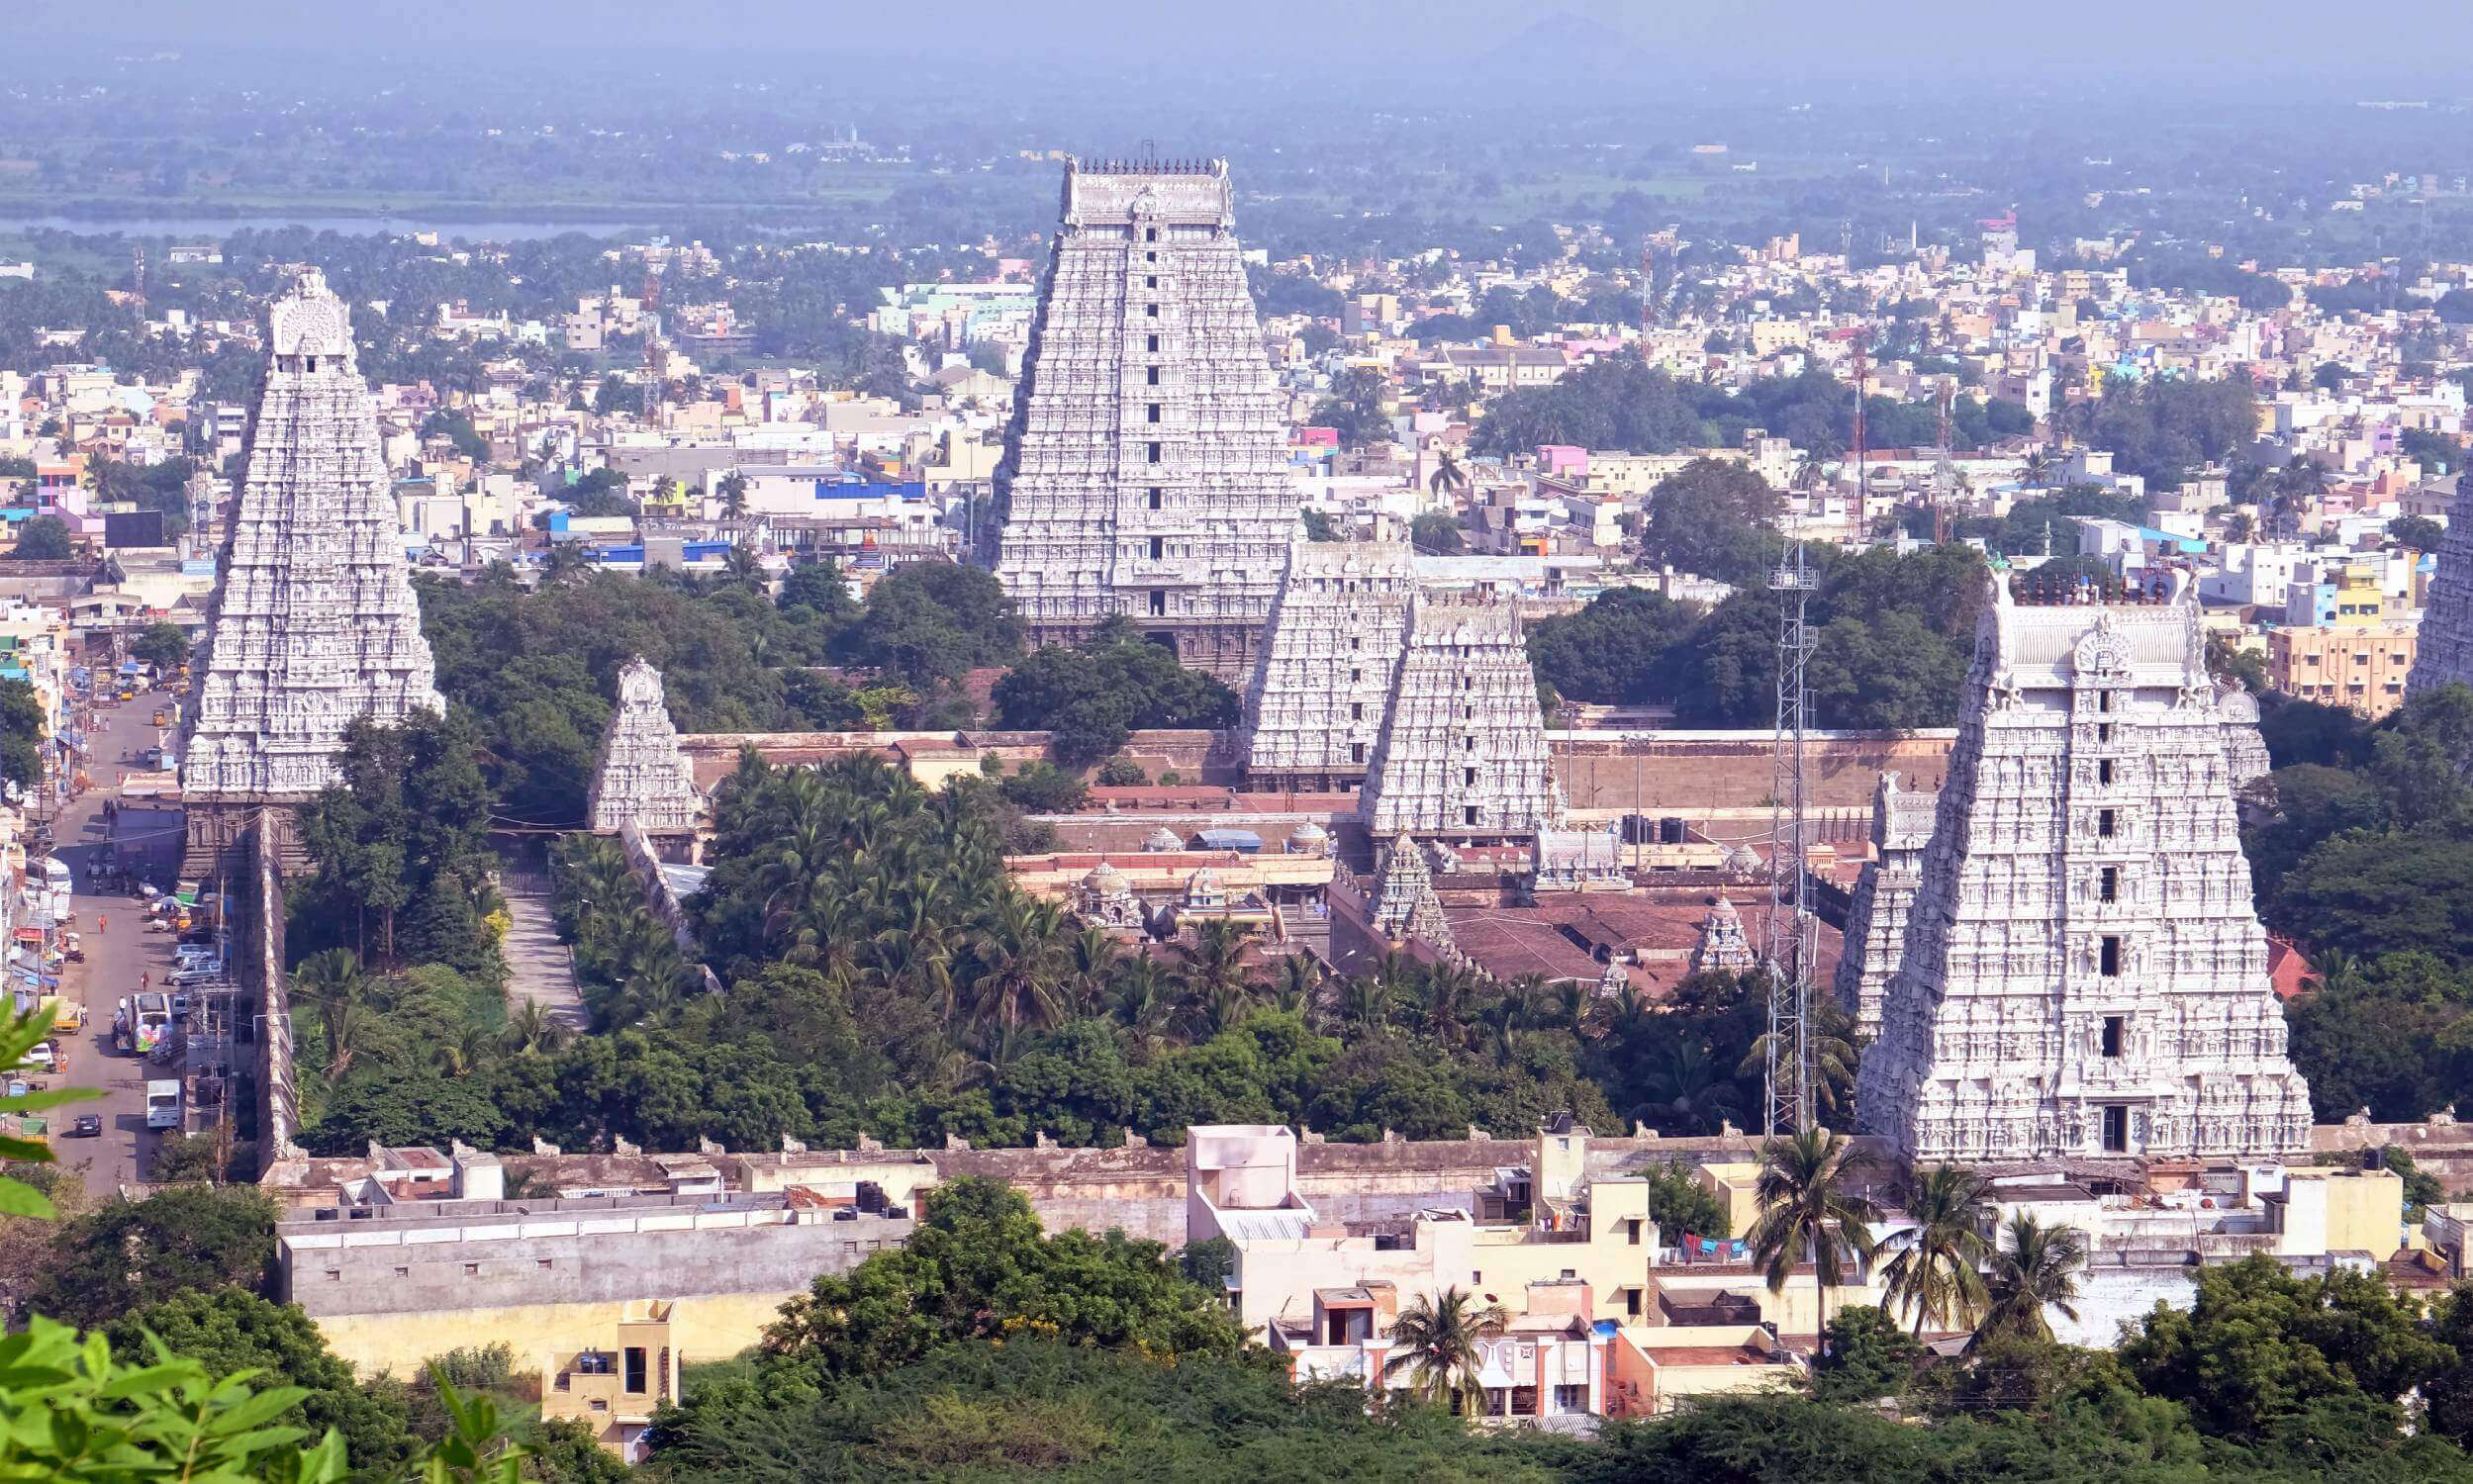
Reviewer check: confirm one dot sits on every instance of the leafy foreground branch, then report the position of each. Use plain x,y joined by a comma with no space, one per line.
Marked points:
69,1411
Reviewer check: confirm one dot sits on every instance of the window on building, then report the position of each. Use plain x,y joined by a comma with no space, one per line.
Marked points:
2104,823
2104,700
1150,233
1150,375
1570,1399
2114,1033
1469,814
1159,547
1154,452
1150,412
1159,601
1355,673
1150,257
1155,496
2116,1129
2108,884
634,1369
2108,957
1356,752
1356,711
1150,310
1468,777
2104,771
1631,1303
2104,733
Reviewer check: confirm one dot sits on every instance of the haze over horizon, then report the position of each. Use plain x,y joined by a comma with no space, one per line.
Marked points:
1937,44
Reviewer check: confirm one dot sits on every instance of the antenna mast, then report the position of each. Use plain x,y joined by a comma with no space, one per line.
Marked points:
1786,1106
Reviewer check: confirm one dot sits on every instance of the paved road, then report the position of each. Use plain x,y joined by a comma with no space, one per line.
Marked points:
117,950
538,966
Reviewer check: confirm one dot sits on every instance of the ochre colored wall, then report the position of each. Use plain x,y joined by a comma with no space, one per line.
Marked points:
711,1327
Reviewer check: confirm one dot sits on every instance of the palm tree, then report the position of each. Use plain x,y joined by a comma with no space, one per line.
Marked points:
1939,1275
733,491
1436,1340
1365,1003
2035,1267
530,1032
333,982
565,560
1689,1085
2036,468
1448,475
1809,1208
1830,1034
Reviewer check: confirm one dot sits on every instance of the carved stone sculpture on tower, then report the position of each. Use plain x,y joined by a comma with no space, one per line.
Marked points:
2084,974
1406,908
1145,472
1463,752
312,625
1884,893
644,777
1723,947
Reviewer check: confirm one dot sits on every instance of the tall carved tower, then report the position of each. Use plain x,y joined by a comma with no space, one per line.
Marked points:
2444,651
2083,973
1463,751
312,625
1323,682
1145,472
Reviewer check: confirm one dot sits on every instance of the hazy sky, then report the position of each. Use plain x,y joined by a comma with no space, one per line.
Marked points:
1903,44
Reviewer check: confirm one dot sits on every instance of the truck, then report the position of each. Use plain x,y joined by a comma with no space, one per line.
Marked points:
163,1104
67,1016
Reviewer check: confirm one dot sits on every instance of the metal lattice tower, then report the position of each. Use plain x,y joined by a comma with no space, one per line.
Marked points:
1786,1104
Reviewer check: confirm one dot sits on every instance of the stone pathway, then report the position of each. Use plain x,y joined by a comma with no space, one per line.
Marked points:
538,966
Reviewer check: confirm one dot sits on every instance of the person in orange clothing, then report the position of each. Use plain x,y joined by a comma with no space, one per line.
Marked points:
101,922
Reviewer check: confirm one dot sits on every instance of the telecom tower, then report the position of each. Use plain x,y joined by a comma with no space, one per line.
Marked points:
1786,1106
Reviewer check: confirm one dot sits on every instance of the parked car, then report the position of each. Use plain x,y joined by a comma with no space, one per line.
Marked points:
87,1126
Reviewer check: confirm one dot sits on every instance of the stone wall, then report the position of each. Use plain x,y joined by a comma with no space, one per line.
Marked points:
1683,772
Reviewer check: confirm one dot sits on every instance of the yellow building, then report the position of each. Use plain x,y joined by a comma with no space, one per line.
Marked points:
615,1388
2355,662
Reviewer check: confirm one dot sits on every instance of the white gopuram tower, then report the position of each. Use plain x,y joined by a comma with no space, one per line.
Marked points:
1323,682
2444,652
2083,973
642,776
1884,893
1463,752
1145,472
313,624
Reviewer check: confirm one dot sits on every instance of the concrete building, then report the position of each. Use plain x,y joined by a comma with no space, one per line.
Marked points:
1145,470
1463,749
2366,667
614,1385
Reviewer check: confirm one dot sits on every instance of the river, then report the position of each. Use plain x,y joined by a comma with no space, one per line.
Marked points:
217,228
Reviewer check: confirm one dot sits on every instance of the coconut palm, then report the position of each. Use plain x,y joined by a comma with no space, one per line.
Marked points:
1448,476
1365,1003
334,985
733,491
1688,1088
1937,1275
1830,1033
530,1032
1435,1339
2035,1267
565,560
1810,1209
